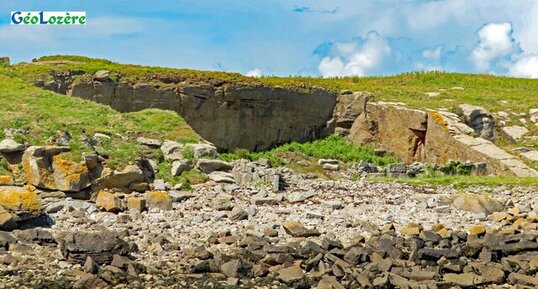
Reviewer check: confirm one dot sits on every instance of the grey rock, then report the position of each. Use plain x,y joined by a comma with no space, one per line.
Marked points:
331,167
203,150
172,150
77,246
334,205
515,132
180,166
149,142
397,168
479,119
296,197
208,166
327,161
159,185
101,75
10,146
238,214
221,177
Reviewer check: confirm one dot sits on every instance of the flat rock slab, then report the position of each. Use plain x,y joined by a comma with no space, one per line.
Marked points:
101,246
296,229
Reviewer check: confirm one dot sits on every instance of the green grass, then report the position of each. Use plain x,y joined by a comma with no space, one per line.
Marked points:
462,182
482,90
43,114
332,147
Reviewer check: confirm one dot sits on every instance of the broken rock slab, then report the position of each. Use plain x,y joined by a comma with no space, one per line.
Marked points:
479,204
101,246
515,132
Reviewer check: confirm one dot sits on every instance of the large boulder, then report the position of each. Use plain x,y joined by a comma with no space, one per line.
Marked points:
18,205
479,119
45,168
10,146
349,105
202,150
101,246
172,150
208,166
119,179
479,204
109,202
20,200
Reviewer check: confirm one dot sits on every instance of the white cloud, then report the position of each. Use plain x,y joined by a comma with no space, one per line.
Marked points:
495,41
356,60
256,72
434,54
527,66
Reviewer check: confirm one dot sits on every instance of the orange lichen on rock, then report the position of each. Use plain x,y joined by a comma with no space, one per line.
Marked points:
159,199
6,180
438,118
72,170
19,199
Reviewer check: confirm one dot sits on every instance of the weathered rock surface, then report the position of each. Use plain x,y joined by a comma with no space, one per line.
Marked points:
514,132
10,146
208,166
479,119
125,178
45,168
101,246
20,200
109,202
230,115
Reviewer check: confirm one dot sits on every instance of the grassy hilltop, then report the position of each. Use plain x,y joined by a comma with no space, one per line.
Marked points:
42,114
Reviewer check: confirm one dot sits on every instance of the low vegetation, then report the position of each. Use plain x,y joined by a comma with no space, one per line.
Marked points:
462,182
39,117
303,156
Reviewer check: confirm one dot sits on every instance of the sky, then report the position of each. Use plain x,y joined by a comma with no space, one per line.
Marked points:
290,37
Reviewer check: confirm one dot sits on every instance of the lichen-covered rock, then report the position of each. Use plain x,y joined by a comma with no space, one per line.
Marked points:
109,202
6,220
45,168
136,204
6,181
20,200
70,176
159,199
119,179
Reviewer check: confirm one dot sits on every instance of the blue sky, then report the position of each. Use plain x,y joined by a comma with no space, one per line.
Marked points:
290,37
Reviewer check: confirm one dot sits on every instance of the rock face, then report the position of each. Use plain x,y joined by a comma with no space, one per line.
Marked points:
433,136
45,168
479,119
383,122
348,107
229,115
